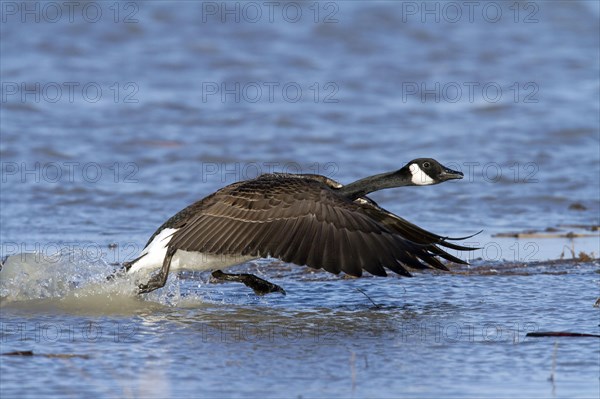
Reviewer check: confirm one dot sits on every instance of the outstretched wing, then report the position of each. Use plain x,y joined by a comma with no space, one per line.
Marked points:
415,233
298,220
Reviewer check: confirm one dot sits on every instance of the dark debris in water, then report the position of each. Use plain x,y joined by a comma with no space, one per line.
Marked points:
552,267
52,355
541,334
561,231
577,206
377,306
590,227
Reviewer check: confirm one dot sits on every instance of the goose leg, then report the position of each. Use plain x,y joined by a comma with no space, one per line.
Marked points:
159,279
258,285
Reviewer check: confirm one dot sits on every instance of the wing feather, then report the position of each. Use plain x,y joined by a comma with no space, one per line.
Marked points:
302,220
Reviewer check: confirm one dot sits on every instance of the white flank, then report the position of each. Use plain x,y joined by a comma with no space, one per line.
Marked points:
419,177
155,252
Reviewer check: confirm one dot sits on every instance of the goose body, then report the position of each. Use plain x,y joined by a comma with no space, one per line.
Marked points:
154,253
303,219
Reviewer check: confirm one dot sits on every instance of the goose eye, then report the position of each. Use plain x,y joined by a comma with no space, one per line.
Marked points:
426,164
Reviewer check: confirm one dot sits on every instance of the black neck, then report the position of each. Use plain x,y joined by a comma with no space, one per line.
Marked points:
370,184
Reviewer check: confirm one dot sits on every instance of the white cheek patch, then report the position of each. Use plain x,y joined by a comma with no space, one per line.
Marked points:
419,177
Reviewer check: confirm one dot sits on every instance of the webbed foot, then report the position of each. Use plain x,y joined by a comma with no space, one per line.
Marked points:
157,281
258,285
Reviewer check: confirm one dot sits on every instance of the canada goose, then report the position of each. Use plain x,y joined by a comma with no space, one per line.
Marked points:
304,219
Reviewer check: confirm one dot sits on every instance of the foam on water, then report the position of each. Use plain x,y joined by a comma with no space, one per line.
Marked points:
72,282
29,276
65,279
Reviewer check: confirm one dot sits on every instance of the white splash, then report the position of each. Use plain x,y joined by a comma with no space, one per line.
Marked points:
35,276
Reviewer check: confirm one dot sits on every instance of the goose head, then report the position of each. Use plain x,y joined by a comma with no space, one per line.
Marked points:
427,171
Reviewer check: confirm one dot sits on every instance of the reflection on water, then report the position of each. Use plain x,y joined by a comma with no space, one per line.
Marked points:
327,336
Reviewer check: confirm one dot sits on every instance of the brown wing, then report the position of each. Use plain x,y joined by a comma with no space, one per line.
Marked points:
298,220
415,233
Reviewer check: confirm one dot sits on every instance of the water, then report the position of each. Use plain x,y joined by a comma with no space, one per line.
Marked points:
169,103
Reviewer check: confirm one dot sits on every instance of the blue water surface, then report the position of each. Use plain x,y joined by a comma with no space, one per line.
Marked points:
115,115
